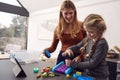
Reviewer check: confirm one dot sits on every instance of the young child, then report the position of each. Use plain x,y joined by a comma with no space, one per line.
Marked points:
93,48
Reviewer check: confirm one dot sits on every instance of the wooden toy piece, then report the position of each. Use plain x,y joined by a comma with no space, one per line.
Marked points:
47,54
68,76
78,73
62,68
51,74
38,75
44,74
50,68
47,72
46,69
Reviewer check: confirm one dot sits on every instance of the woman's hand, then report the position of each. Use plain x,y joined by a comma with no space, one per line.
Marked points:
68,52
43,52
42,55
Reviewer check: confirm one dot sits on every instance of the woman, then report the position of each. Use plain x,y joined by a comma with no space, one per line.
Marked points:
94,47
69,30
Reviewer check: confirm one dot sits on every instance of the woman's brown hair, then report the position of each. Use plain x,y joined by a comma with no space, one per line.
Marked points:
67,4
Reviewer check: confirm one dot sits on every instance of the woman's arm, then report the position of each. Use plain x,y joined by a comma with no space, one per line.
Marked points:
54,44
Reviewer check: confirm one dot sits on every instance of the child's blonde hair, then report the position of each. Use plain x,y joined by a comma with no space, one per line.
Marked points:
95,22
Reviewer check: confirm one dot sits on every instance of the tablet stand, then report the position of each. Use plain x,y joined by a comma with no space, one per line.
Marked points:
18,71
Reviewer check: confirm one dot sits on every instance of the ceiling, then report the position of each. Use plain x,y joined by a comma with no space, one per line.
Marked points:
37,5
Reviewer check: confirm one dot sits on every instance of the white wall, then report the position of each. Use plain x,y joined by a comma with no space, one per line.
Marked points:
110,11
42,23
40,33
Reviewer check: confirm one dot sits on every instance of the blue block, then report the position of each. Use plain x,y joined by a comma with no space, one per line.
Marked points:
68,71
47,54
84,78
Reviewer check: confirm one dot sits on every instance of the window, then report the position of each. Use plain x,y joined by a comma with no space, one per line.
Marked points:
13,24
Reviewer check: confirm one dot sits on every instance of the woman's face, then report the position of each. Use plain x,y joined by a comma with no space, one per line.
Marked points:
68,15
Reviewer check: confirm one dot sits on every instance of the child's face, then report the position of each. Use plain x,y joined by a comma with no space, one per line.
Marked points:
68,15
92,33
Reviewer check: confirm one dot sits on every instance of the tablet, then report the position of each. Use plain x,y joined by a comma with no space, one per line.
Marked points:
18,70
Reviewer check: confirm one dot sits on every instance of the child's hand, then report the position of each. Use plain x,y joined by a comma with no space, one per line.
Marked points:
76,59
67,62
